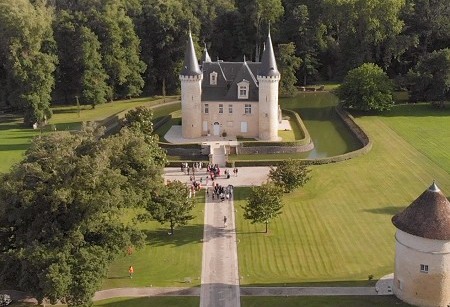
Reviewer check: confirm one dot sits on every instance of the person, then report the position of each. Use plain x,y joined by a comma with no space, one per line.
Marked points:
131,271
224,221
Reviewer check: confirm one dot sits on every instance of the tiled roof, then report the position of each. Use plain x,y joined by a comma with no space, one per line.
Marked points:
427,217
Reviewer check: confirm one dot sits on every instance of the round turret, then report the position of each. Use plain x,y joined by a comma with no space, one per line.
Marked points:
191,91
422,252
268,79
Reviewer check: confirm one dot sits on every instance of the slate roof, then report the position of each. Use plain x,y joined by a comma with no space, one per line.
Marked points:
427,217
268,66
205,56
229,74
190,65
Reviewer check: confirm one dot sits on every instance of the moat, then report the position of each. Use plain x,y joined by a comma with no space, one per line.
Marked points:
330,135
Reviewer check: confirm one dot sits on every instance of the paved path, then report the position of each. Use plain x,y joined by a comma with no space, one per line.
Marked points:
220,274
247,176
220,279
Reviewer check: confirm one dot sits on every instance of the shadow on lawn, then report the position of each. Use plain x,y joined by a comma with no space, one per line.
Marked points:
182,235
391,210
12,147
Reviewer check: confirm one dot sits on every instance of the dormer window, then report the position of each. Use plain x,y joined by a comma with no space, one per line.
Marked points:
213,78
243,89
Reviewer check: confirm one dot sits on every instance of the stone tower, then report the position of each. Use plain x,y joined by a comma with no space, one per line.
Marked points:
422,250
268,78
191,91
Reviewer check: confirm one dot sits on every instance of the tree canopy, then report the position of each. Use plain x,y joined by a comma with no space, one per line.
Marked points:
172,204
290,174
61,210
55,51
263,204
429,80
366,88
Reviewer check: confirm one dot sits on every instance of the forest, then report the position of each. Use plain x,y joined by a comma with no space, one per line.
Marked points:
94,51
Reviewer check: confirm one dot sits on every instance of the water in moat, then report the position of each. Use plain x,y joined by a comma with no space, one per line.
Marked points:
330,135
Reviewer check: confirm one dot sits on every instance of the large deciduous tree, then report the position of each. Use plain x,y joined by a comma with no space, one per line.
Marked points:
27,59
172,204
288,64
263,204
366,88
430,78
61,211
290,174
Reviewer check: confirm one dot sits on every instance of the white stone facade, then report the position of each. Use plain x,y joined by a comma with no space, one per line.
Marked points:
268,110
422,270
191,110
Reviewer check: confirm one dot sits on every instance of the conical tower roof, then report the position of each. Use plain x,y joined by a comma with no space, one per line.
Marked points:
205,56
268,66
427,217
190,65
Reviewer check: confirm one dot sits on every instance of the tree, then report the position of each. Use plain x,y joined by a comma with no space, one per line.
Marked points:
172,204
61,211
366,88
288,64
290,174
263,204
27,59
140,118
430,78
80,71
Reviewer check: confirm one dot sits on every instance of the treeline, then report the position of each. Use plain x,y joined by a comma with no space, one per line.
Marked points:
101,50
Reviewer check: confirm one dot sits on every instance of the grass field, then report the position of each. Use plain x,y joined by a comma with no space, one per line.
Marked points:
323,301
337,229
310,301
15,138
165,260
151,301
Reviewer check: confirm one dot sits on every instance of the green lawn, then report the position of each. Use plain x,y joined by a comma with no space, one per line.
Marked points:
322,301
155,301
338,227
15,138
273,301
165,260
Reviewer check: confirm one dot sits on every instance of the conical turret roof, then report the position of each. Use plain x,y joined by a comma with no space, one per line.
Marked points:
268,63
190,65
427,217
205,56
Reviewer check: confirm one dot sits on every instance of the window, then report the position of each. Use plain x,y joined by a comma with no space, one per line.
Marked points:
424,268
243,88
220,108
206,109
230,108
248,109
213,78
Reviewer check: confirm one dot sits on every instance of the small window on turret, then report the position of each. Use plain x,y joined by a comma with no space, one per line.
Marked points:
213,78
206,108
424,268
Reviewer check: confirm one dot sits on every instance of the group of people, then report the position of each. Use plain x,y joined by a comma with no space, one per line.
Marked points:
220,192
191,169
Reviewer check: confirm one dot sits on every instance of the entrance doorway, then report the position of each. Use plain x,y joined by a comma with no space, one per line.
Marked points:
216,129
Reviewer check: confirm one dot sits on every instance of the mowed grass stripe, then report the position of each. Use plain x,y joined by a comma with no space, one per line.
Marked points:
165,260
338,227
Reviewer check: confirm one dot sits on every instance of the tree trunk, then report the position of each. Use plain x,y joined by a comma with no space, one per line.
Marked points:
267,223
171,227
